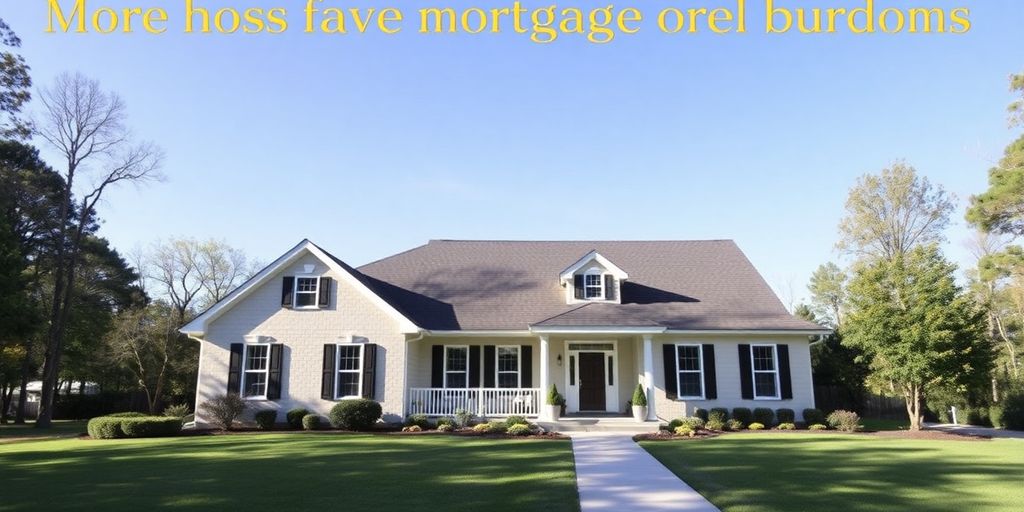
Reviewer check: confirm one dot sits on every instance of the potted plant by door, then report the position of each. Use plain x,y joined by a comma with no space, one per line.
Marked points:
554,403
640,403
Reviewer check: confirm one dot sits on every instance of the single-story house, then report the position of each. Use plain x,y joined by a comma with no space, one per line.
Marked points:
488,326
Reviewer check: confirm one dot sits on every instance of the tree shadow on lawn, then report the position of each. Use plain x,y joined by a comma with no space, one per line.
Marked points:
284,472
848,473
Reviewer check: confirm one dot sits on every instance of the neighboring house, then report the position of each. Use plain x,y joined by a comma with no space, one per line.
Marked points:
488,326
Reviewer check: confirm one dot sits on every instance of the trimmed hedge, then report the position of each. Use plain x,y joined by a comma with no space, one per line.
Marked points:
764,416
785,415
720,414
743,414
814,417
419,420
311,422
701,413
265,419
114,427
519,429
359,414
294,417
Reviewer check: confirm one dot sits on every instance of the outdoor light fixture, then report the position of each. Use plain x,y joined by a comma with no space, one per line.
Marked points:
559,359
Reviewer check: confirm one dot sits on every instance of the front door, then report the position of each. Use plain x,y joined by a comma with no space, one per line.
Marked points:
592,381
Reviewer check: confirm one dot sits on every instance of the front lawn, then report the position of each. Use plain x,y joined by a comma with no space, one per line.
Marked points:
59,428
785,472
300,471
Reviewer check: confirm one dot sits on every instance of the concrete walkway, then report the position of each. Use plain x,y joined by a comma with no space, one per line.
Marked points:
994,433
614,473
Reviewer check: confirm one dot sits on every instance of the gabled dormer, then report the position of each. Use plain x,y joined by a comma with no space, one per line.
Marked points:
593,278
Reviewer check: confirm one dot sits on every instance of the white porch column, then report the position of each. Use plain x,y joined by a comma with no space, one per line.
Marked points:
649,376
545,380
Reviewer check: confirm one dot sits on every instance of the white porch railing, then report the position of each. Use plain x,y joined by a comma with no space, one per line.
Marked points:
486,402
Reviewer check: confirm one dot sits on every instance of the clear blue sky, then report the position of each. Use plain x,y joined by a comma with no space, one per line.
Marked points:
373,144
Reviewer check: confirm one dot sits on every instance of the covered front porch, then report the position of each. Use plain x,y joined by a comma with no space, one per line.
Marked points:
497,375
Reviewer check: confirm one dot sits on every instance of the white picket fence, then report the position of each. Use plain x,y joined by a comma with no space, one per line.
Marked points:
485,402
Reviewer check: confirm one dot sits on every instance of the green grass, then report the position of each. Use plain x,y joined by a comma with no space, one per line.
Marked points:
784,472
59,428
877,424
291,472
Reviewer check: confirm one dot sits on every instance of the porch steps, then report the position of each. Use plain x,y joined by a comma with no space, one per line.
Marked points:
619,424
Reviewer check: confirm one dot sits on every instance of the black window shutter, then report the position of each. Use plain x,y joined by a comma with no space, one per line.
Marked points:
327,385
671,371
287,287
577,282
609,287
325,292
746,378
785,380
235,368
437,366
274,382
489,366
474,366
369,370
526,366
708,364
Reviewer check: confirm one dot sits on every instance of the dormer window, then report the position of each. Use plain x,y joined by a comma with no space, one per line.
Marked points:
593,286
306,292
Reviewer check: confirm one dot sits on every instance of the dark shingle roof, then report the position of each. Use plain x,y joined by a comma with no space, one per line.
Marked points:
509,285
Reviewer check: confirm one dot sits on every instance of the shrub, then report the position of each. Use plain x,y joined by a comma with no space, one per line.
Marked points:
482,427
693,423
734,424
445,427
519,429
265,419
743,415
126,415
177,411
224,410
104,427
683,430
462,418
715,425
719,414
311,422
814,417
701,413
516,420
764,416
817,426
419,420
674,424
639,396
412,428
756,426
498,426
554,397
359,414
113,427
846,421
294,417
995,416
785,415
978,416
445,421
150,426
1013,409
789,425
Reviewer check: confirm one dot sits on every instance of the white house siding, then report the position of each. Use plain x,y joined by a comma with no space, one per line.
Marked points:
303,334
727,369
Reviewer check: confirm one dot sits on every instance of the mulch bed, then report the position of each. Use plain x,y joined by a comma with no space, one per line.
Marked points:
383,431
934,435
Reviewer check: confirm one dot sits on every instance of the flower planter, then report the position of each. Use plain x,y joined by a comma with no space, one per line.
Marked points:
640,413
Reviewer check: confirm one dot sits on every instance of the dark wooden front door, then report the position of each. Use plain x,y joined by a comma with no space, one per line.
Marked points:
592,381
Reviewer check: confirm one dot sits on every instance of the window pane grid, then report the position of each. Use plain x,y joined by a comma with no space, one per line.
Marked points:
306,291
765,372
508,367
349,370
257,363
691,381
456,365
592,286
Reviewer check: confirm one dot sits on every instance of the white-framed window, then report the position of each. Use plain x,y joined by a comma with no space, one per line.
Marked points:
508,366
690,366
593,286
765,368
256,364
349,382
456,367
307,290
